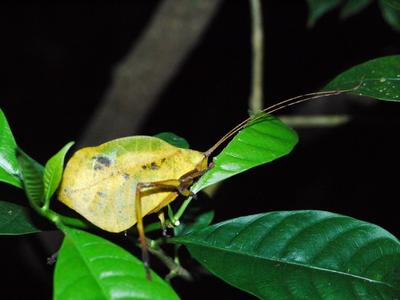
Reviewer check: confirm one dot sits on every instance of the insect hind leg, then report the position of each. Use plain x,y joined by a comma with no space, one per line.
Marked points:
164,184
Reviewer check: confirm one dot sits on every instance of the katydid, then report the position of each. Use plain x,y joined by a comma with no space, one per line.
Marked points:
116,184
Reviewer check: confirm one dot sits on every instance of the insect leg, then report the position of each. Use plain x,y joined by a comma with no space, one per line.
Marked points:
186,180
182,185
165,184
161,217
142,237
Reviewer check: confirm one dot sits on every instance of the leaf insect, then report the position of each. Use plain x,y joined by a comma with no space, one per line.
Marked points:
116,184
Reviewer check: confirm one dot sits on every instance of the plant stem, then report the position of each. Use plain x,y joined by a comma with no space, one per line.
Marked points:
73,222
56,218
314,121
152,227
181,210
172,264
257,40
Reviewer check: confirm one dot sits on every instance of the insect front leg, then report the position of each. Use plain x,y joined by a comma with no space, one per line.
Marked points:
186,180
142,237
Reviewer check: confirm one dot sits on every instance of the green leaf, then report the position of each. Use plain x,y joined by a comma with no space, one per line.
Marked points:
260,142
89,267
390,14
352,7
317,8
15,220
200,222
378,78
173,139
393,3
53,172
32,173
300,255
9,170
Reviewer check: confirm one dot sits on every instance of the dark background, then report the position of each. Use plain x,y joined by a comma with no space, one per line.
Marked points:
55,64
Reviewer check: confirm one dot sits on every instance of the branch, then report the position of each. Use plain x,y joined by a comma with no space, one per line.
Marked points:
257,42
138,80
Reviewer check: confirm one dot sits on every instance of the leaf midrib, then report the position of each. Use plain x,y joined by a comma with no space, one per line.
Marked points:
87,264
336,272
50,176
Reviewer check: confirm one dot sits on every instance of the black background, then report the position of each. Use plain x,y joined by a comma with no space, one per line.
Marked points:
55,64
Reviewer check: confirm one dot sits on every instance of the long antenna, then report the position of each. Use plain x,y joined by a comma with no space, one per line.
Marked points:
276,107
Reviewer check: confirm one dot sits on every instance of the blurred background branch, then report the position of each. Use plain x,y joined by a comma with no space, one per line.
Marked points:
257,43
172,33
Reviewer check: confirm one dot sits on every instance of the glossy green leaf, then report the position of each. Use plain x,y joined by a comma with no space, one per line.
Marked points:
89,267
200,222
352,7
173,139
301,255
9,170
393,3
317,8
378,78
53,172
15,220
259,143
32,173
390,14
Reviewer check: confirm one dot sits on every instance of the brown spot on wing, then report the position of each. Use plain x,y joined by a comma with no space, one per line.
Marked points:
101,194
103,160
98,167
154,166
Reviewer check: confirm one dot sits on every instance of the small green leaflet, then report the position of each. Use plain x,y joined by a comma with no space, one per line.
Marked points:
32,173
53,172
173,139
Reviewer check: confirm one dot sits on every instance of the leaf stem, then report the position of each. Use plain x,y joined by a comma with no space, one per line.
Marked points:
73,222
152,227
172,264
181,211
56,218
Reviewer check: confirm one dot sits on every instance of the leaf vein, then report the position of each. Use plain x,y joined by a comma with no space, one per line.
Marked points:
293,263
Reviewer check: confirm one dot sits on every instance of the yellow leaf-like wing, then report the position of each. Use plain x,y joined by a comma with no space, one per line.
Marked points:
100,182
